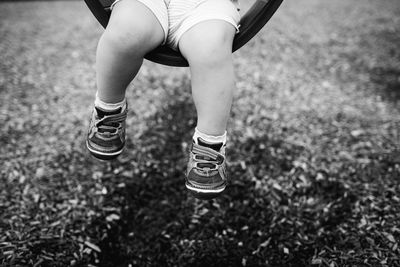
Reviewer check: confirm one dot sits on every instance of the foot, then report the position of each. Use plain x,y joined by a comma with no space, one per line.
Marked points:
206,172
106,135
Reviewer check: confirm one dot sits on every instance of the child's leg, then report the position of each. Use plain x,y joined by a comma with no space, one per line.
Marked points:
133,30
208,48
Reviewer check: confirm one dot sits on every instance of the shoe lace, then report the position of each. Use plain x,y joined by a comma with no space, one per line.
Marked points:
206,159
110,124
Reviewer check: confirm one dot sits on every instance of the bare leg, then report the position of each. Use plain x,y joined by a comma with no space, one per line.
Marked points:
133,30
208,48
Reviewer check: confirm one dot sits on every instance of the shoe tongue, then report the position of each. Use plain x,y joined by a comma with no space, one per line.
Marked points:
216,146
102,112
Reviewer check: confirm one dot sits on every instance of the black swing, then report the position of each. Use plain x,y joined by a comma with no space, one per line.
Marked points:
250,24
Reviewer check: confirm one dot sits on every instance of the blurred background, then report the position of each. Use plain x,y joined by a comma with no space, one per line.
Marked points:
313,146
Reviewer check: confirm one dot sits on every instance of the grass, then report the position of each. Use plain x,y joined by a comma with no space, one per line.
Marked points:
313,151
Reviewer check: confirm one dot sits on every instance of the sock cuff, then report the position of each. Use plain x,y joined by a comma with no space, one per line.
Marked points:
108,106
209,138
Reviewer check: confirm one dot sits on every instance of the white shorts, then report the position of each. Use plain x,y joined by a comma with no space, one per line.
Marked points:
178,16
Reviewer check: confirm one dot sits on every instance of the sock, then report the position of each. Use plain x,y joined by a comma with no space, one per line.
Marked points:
211,141
104,108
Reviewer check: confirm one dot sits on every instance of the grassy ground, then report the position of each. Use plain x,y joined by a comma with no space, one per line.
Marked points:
314,147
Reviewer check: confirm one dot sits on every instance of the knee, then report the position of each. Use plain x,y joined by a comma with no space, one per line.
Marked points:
125,38
210,48
210,53
131,33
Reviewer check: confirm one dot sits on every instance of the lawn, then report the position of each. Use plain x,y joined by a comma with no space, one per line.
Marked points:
314,147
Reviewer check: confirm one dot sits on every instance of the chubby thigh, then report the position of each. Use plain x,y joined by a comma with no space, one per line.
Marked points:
177,16
184,14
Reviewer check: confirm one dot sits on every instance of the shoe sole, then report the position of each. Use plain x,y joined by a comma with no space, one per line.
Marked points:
103,155
204,194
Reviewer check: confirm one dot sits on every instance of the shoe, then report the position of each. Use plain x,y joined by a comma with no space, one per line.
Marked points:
106,135
206,172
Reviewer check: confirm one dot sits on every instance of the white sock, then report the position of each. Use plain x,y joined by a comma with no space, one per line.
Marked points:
109,106
209,138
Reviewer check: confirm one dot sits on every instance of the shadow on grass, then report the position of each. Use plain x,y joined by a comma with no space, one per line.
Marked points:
154,202
389,78
267,216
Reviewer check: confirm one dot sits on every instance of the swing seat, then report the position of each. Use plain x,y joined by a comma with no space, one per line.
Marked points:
250,24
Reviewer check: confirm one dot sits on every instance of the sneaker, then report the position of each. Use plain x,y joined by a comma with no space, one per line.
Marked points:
106,135
206,172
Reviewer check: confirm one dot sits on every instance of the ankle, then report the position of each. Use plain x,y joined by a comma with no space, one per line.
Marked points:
215,142
109,105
